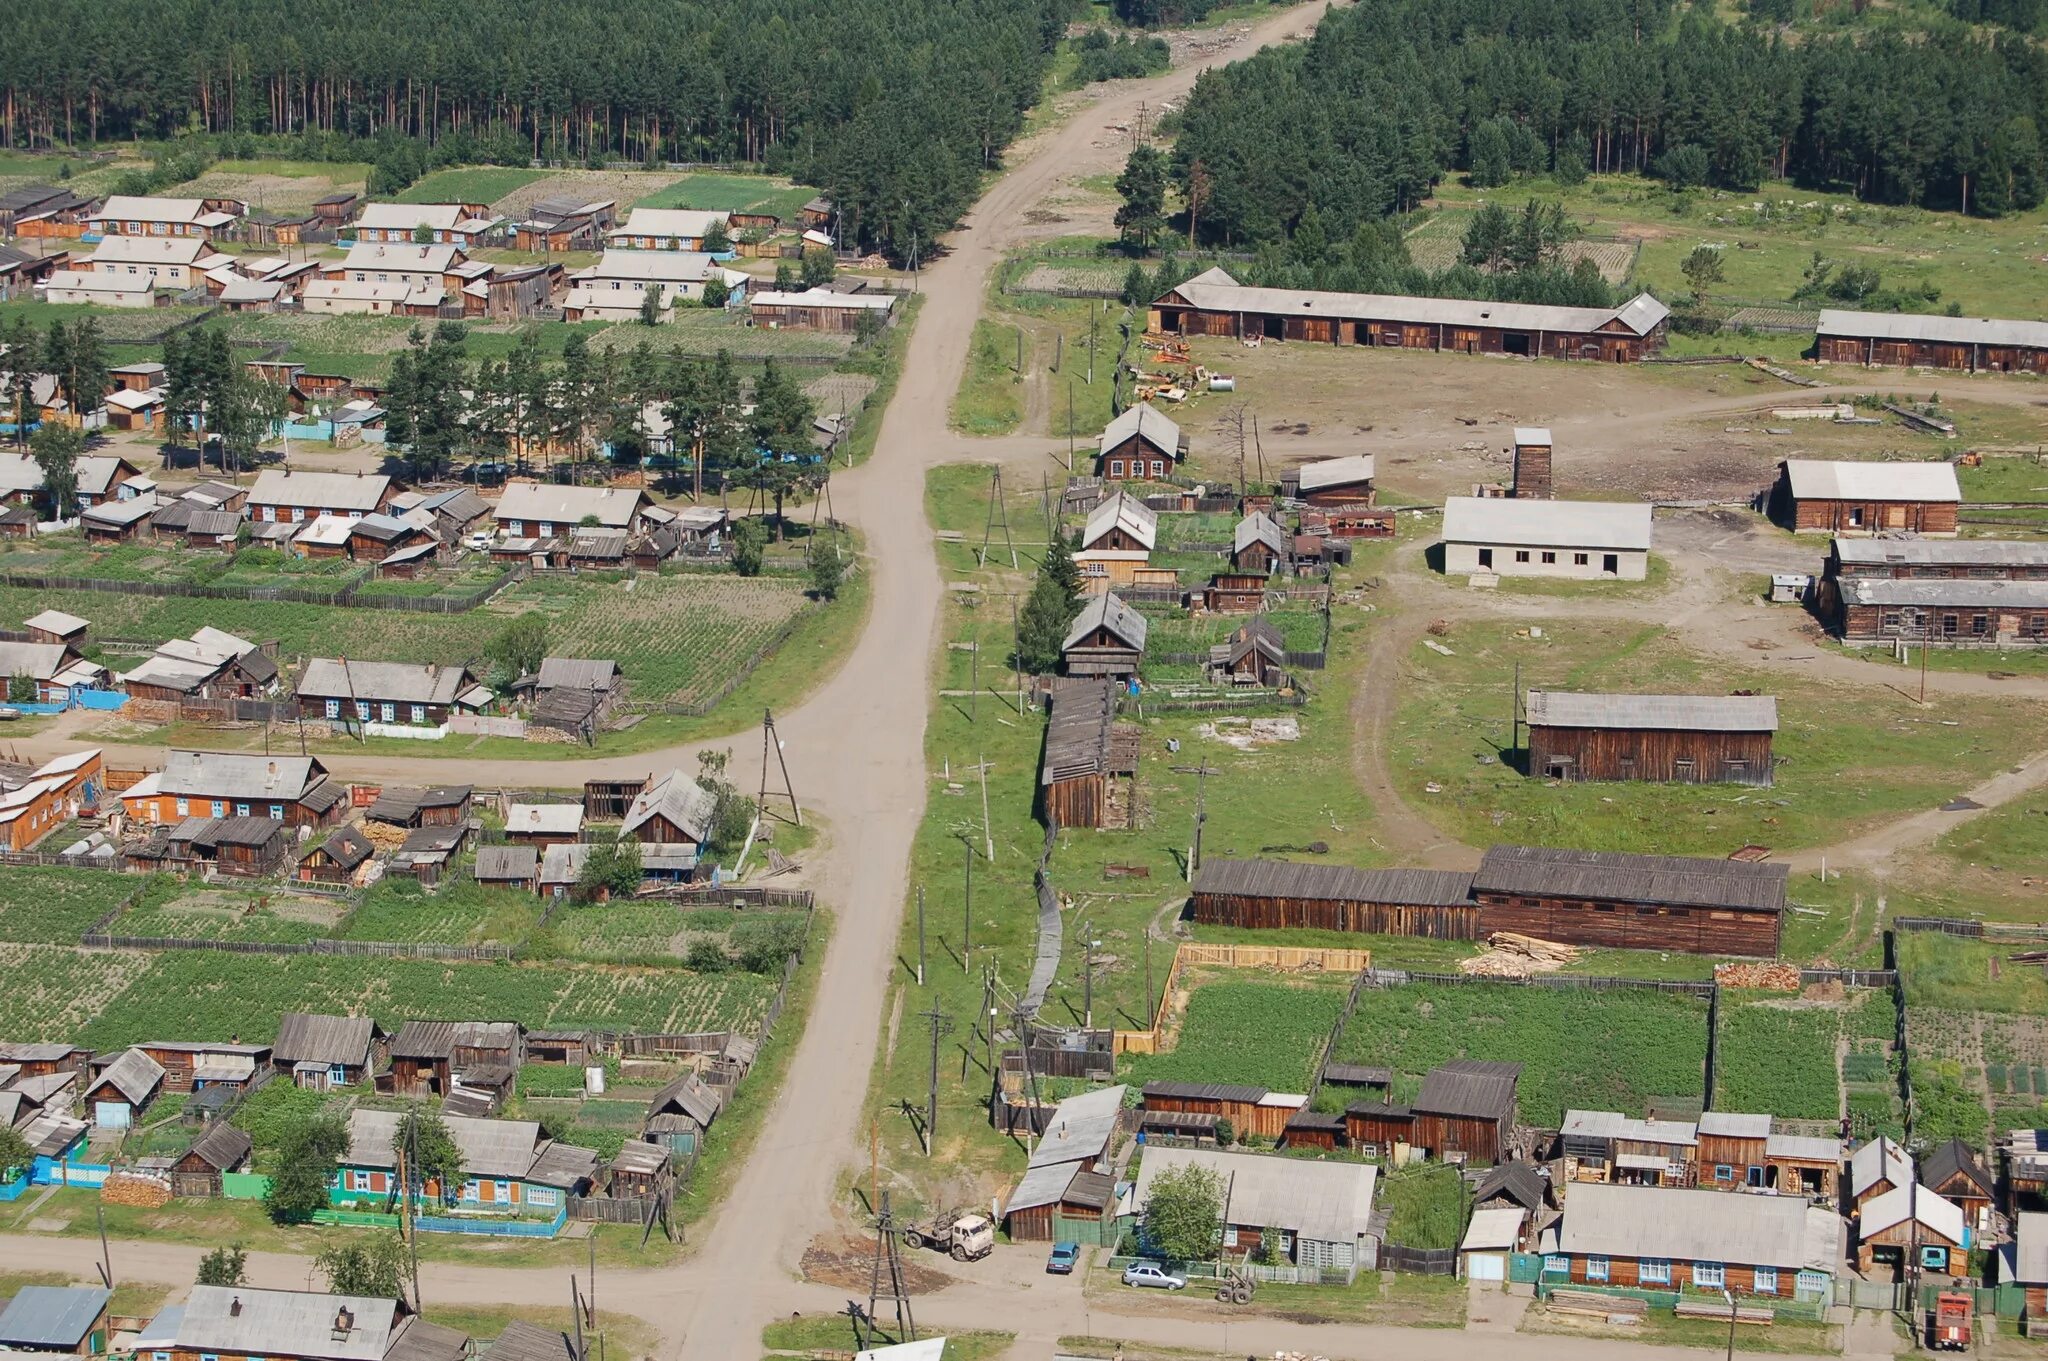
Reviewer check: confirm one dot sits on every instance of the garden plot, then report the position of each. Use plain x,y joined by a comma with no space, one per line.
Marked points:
286,187
459,912
486,184
1263,1034
56,906
212,914
1777,1056
676,637
53,992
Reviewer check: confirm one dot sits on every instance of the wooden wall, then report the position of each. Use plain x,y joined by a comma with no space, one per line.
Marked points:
1627,926
1817,515
1717,1150
1627,1271
1081,802
1866,623
1458,922
1606,346
1635,754
1477,1138
1932,354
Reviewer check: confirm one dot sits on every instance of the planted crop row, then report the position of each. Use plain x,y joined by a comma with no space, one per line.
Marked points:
52,992
1779,1060
1258,1034
54,906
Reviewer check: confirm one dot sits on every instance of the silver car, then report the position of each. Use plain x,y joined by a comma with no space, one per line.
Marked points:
1154,1275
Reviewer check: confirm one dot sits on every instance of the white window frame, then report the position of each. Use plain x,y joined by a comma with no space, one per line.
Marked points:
419,713
389,711
277,812
1710,1275
1597,1268
1766,1281
1654,1270
334,708
184,807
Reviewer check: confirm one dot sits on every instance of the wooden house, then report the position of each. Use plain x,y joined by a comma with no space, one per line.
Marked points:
326,1053
191,1066
1258,546
1577,540
546,824
1968,613
1607,1146
221,1149
817,309
1908,340
1917,559
55,626
1672,1238
571,1047
1314,1129
1106,639
1849,499
1116,543
1516,1185
1878,1168
515,867
1090,764
26,201
1254,654
56,1320
411,694
1952,1172
444,805
641,1171
45,1059
225,1322
1805,1165
1331,483
1143,444
682,1113
343,858
293,496
1912,1220
124,1088
1248,1110
509,1167
1465,1110
428,1056
1303,1212
1530,456
1214,304
1068,1190
1669,739
1733,1150
1644,902
427,852
1282,894
674,811
1491,1236
1234,592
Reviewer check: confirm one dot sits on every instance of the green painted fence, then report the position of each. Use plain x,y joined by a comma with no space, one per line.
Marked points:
356,1218
243,1185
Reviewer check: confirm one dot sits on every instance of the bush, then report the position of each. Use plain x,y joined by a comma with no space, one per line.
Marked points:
764,944
706,955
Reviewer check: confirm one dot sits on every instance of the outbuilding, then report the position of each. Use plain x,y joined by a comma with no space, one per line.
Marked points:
1286,894
1859,498
1902,339
1955,613
1640,902
1090,763
1580,540
1328,482
1666,739
1106,639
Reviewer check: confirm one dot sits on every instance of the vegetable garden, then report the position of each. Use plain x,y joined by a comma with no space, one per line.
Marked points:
1779,1057
1259,1034
52,992
55,906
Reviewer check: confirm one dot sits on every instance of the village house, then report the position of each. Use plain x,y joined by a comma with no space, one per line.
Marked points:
431,1056
1306,1213
561,865
1877,1168
515,292
681,1114
1975,612
1670,1238
665,229
1332,482
124,215
1143,444
1623,901
613,289
408,694
818,309
123,1090
1090,760
121,521
1254,654
1491,1235
193,1066
574,695
283,495
1117,543
47,798
351,297
20,271
294,790
1215,304
640,1171
540,509
1953,1172
1670,739
220,1149
509,1167
1463,1113
211,664
1196,1110
512,867
55,626
97,289
1106,639
1068,1188
560,224
101,478
56,1320
544,824
220,1322
433,277
1901,339
447,514
675,814
427,852
1585,540
57,670
447,224
326,1053
1259,545
343,859
1850,499
176,263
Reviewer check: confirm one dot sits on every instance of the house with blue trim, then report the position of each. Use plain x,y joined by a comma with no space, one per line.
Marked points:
509,1167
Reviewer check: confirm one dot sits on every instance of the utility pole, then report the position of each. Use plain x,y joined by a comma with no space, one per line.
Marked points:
967,913
1201,773
1515,714
940,1024
1088,979
988,838
997,507
920,935
770,739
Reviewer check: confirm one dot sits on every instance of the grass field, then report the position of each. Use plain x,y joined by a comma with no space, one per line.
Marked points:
276,186
473,184
1957,974
712,192
1558,1034
115,323
1265,1034
68,554
992,399
1777,1056
55,906
458,913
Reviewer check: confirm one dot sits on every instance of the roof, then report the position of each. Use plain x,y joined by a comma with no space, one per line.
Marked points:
1954,1159
222,1147
1256,634
1614,876
439,1039
1841,480
562,862
690,222
146,208
507,862
150,250
2030,1250
407,216
1079,733
1603,1220
1475,1088
1147,422
50,1316
308,490
687,1095
135,1075
419,1340
1046,1184
1614,1125
1880,1160
678,799
1687,713
402,682
1126,512
96,472
1108,611
400,258
1943,552
1358,1074
673,268
1258,527
1336,472
561,1165
1215,291
1228,1093
1550,524
39,660
358,290
1901,1203
490,1148
1080,1127
522,1341
1803,1148
561,819
1497,1230
578,673
1938,593
99,281
1340,883
299,1323
640,1158
57,622
825,297
435,840
613,507
1945,330
1326,1202
1519,1182
306,1037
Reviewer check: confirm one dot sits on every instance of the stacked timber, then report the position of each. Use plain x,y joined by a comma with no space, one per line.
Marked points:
1514,955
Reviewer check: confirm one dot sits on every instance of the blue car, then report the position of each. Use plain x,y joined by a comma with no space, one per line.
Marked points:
1063,1258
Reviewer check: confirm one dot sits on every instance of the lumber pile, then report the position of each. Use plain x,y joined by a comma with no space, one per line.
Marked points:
1596,1305
1514,955
1770,977
1711,1309
385,837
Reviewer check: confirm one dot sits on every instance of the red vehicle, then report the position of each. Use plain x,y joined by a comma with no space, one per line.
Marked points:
1948,1323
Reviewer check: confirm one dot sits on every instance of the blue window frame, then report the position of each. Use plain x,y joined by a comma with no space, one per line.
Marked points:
220,808
241,810
334,708
1596,1268
1712,1275
1723,1172
1766,1281
277,812
1655,1271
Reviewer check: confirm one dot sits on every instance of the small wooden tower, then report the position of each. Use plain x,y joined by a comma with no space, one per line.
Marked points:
1532,463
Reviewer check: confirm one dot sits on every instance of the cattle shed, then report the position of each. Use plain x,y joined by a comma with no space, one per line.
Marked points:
1669,739
1914,559
1250,1110
1635,902
1977,612
1270,894
1090,761
1345,481
1972,344
1850,498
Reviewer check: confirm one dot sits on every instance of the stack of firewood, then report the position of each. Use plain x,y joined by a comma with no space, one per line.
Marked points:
1514,955
1773,977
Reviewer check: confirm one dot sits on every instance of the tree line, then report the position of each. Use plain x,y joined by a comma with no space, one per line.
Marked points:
1389,96
894,109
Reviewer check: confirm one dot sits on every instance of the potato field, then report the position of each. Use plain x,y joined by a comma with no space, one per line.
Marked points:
676,637
52,992
1259,1034
49,906
1778,1057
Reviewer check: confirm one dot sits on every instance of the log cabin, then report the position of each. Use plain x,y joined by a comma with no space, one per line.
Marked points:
444,805
640,1172
1672,1238
1116,543
1462,1114
1895,339
1282,894
1607,898
1090,762
1259,546
683,1112
514,867
293,496
1106,639
549,824
1143,444
191,1066
325,1053
818,309
199,1169
1805,1165
1215,304
242,846
1254,654
674,811
1913,1220
429,1056
1952,1172
127,1083
1971,613
412,694
509,1167
344,858
1234,592
1329,483
1914,559
1667,739
1578,540
222,1322
1851,499
1878,1168
1304,1212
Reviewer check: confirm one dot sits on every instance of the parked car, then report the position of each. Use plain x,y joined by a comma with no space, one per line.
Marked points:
1063,1259
1153,1275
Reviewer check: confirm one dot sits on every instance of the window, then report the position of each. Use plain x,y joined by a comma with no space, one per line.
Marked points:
1948,626
241,810
543,1195
469,1190
1709,1274
1158,467
504,1191
1095,569
1581,559
220,808
419,713
334,708
1116,467
184,808
1756,1176
1230,1236
277,812
1596,1268
390,712
1723,1172
1549,557
1521,555
1980,625
363,710
1766,1281
1655,1271
358,1181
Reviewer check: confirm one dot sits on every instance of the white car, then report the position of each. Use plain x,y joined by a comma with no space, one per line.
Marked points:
479,542
1153,1275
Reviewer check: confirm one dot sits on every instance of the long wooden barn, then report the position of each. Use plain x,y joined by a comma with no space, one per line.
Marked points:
1898,339
1214,304
1632,902
1849,499
1086,773
1270,894
1670,739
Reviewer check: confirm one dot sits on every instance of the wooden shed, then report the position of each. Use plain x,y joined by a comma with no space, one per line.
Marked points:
1898,339
1531,458
1089,768
1259,545
1331,483
1106,639
343,858
641,1171
1668,739
1250,1110
1861,498
1254,654
1639,902
1281,894
1465,1110
1734,1150
221,1149
1952,1172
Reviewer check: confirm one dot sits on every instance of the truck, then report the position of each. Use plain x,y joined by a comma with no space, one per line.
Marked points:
1948,1322
965,1235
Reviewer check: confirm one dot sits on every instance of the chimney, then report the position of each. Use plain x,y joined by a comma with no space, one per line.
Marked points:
235,1307
270,769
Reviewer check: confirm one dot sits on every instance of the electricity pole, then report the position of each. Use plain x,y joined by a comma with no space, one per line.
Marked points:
967,914
939,1024
920,935
1201,774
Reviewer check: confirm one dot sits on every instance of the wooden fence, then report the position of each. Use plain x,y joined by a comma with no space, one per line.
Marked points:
1394,978
1973,930
664,1046
76,862
1421,1261
1190,954
1852,978
730,895
350,593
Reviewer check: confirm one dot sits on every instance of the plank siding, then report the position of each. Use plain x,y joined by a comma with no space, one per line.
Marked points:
1627,1271
1630,926
1332,914
1662,756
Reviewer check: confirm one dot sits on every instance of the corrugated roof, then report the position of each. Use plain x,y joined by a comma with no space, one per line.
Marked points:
1325,1202
1336,472
295,1323
1478,1088
397,682
1108,611
490,1148
2030,1254
507,862
52,1317
1878,1162
306,1037
310,490
1148,422
1613,876
135,1075
1258,527
1122,511
1942,552
1216,291
1843,480
1936,1213
1335,883
1950,593
1547,524
1496,1230
1943,330
566,507
1683,713
1614,1125
1080,1127
1692,1225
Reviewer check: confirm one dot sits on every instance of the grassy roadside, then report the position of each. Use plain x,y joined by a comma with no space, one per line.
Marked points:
885,363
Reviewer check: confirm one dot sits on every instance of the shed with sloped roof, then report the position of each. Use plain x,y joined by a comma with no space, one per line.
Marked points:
1623,901
1668,739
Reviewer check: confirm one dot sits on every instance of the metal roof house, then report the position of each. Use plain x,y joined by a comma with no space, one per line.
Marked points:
509,1166
57,1320
1856,498
1311,1214
301,1325
1677,739
325,1051
1667,1238
1141,443
1582,540
1332,481
1106,639
1066,1191
407,694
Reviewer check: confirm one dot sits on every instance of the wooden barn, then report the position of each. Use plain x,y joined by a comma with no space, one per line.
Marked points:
1332,482
641,1171
1233,593
1259,545
1849,499
1876,1168
1281,894
431,1056
1980,613
1907,340
1734,1150
409,806
1912,559
1143,444
1667,739
1912,1220
1087,775
198,1170
1952,1172
1068,1189
1463,1113
1637,902
1250,1110
1106,639
1214,304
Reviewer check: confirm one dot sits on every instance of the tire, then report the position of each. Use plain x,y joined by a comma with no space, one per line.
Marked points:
912,1239
1241,1293
959,1253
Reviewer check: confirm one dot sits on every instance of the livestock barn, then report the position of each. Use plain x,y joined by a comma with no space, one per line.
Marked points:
1090,765
1972,344
1937,560
1346,481
1637,902
1846,498
1273,894
1670,739
1214,304
1975,612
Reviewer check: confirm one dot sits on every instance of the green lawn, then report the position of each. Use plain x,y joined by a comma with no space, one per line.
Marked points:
991,398
1263,1034
713,192
472,184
